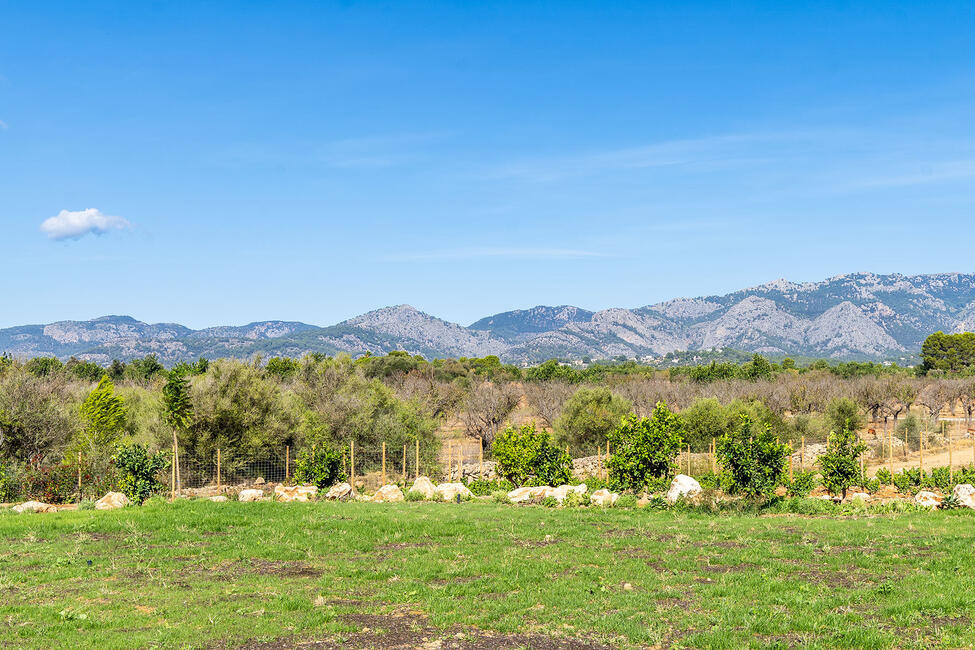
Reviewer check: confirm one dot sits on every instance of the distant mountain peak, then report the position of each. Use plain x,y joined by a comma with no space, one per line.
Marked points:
854,315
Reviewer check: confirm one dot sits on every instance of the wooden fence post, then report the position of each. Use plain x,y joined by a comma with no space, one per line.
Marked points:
607,460
418,457
714,453
179,479
890,454
950,469
384,462
79,475
688,460
790,461
802,455
480,459
287,463
172,482
450,457
404,465
352,463
920,453
218,469
460,463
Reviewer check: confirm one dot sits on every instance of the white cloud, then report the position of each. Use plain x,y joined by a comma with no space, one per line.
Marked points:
70,224
3,125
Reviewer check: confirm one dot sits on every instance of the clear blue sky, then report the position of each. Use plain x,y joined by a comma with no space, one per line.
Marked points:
311,161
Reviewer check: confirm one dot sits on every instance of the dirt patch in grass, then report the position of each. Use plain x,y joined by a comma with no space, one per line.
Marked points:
455,580
536,543
409,629
402,545
284,568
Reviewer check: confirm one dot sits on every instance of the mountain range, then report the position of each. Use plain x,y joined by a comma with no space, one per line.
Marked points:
853,316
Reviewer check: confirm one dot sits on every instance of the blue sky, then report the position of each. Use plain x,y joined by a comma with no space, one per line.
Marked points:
242,161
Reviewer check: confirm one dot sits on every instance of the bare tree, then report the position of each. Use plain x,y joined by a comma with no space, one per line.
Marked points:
548,398
487,407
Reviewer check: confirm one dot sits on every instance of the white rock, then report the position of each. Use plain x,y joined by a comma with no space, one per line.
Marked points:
424,486
388,494
449,491
251,495
111,501
603,497
683,486
927,499
857,496
34,506
522,494
965,493
219,498
340,492
286,493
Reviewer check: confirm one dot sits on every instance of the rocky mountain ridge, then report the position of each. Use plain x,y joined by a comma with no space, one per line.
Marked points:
854,316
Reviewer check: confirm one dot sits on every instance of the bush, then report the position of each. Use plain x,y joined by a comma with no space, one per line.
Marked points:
627,501
645,449
802,484
485,487
753,461
883,477
319,466
588,417
51,483
9,483
550,502
138,471
500,497
575,500
413,495
840,464
843,413
529,456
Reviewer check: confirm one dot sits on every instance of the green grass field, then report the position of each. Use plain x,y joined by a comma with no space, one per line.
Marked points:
481,575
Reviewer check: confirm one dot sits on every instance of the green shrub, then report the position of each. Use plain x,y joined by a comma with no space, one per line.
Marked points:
138,471
645,448
588,417
802,484
550,502
884,477
951,502
575,500
526,456
841,462
9,483
843,413
86,504
752,458
413,495
486,487
319,465
627,501
500,497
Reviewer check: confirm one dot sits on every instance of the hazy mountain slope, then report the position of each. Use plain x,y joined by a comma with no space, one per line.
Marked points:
860,315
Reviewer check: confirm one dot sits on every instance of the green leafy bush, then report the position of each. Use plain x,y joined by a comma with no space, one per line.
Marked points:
500,497
627,501
485,487
413,495
753,461
883,475
526,456
588,417
550,502
575,500
802,484
841,462
319,465
645,448
138,471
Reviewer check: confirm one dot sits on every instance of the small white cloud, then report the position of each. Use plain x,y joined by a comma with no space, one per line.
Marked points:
70,224
3,125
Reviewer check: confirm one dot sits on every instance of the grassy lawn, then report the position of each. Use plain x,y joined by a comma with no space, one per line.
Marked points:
481,575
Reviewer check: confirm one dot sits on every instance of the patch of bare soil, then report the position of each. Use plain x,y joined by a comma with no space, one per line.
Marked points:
410,630
401,546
